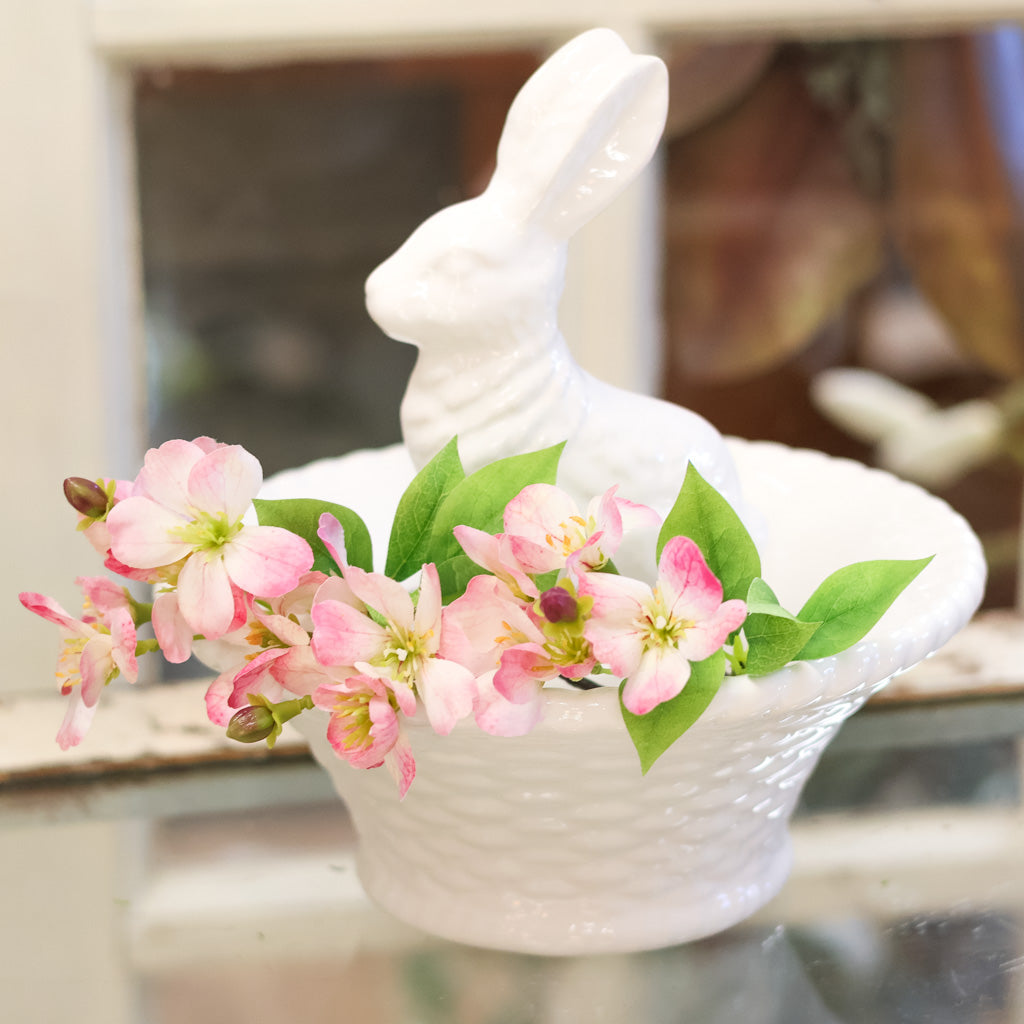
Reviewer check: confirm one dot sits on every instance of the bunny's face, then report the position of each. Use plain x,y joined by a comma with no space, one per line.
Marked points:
467,273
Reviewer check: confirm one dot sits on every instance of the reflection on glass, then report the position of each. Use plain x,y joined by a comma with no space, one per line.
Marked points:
942,969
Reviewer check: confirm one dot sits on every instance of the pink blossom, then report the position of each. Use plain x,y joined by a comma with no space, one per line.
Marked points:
404,650
365,728
489,630
545,528
271,654
484,622
650,635
95,649
187,507
495,554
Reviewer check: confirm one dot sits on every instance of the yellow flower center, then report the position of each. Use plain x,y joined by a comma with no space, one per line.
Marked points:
659,627
574,533
208,532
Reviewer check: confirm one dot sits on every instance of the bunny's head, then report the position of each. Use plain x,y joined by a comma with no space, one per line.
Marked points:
583,126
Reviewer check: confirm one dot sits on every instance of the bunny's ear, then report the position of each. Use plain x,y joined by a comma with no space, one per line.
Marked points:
583,126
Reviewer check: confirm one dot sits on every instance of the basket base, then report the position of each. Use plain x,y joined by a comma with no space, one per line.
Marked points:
579,926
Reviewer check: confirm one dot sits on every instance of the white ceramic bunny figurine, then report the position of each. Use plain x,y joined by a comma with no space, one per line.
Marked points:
476,287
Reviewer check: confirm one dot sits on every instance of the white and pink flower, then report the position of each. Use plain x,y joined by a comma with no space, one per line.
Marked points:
364,726
521,646
494,553
95,649
546,528
649,635
270,654
187,507
405,649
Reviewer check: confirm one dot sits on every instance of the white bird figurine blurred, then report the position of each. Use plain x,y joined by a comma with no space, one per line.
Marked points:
476,288
915,438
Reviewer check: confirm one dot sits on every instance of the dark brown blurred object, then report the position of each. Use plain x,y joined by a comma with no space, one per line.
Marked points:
768,230
843,175
956,213
707,78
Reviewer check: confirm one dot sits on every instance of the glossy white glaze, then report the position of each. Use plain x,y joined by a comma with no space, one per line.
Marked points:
476,288
554,843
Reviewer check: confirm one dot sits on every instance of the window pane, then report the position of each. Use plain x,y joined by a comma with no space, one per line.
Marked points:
267,196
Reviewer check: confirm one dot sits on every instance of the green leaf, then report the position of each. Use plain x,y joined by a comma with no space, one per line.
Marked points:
409,548
852,600
479,500
704,516
774,636
302,517
655,732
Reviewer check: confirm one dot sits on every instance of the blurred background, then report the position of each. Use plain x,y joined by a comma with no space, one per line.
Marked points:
822,204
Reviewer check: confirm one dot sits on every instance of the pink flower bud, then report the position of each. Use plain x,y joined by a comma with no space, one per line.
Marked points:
86,497
558,605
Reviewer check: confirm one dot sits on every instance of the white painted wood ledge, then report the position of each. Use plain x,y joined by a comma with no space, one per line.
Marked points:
147,729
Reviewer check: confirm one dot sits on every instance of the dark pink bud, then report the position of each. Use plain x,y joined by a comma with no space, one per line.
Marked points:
558,605
86,496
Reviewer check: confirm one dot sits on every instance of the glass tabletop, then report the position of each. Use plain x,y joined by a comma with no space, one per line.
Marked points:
184,879
229,893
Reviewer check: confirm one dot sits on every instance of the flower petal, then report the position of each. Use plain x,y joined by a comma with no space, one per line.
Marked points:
427,617
122,631
255,677
205,598
298,671
494,553
225,481
143,534
173,633
103,594
383,595
332,533
164,475
96,667
480,624
447,691
660,676
690,587
266,560
77,720
704,638
536,511
635,516
501,717
288,631
47,608
401,764
523,671
218,710
342,635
